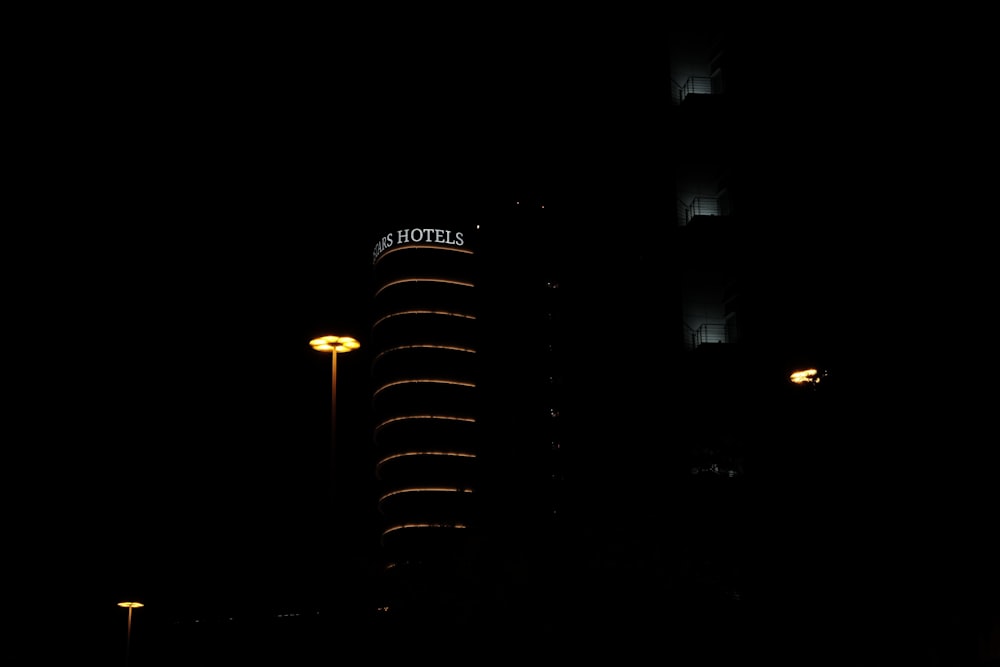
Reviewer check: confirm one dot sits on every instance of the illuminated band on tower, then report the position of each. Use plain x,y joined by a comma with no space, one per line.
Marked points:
424,402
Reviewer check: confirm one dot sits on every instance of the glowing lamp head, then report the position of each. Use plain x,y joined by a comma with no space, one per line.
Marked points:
806,376
130,605
334,344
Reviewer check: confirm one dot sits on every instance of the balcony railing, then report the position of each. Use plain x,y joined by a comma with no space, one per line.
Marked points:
699,206
695,85
711,333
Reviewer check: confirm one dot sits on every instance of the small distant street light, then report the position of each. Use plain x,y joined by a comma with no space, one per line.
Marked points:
334,345
128,637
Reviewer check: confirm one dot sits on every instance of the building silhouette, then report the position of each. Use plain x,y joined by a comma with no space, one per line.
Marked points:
575,385
425,407
617,457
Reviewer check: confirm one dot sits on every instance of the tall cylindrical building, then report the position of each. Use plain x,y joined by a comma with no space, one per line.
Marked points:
424,404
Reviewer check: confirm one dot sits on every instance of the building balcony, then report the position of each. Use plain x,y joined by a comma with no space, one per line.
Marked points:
694,85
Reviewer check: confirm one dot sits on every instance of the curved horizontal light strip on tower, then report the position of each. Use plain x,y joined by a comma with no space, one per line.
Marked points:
461,455
455,418
446,281
401,526
423,312
423,381
428,489
432,346
421,246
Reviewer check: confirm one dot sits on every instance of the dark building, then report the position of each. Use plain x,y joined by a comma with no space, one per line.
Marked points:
577,388
425,403
582,429
497,402
584,426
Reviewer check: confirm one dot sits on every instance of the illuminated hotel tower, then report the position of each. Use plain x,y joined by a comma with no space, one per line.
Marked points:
424,403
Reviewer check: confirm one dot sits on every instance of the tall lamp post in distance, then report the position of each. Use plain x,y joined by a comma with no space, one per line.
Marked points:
334,345
128,637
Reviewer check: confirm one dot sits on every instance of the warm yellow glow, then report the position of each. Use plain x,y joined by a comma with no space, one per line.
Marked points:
463,455
446,281
431,489
424,381
423,246
334,344
379,427
430,346
429,452
131,605
401,526
424,312
808,375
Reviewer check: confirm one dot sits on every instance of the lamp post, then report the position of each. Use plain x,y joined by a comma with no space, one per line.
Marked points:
128,637
334,345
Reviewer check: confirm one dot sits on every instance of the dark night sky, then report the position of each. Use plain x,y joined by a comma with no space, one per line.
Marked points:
203,207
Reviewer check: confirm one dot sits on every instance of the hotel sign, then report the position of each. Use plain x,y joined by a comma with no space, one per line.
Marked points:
417,236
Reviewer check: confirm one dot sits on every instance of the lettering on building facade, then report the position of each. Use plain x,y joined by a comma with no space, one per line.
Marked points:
417,235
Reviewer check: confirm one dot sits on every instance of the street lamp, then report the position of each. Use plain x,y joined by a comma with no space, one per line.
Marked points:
807,377
128,637
334,345
804,376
